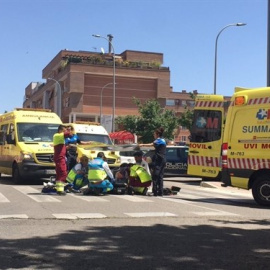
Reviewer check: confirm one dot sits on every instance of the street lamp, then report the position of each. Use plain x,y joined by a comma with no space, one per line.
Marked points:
215,72
100,109
59,97
113,114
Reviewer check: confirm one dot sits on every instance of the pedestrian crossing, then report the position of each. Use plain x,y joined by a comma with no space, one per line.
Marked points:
189,199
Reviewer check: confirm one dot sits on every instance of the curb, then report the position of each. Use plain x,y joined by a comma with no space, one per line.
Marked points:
207,184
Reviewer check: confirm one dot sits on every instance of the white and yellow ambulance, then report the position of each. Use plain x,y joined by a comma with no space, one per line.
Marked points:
100,142
246,143
235,149
26,147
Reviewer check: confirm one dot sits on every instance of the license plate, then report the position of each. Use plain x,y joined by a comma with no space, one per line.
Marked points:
49,171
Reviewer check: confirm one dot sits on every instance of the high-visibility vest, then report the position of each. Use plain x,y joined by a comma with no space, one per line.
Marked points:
58,138
73,176
96,170
139,171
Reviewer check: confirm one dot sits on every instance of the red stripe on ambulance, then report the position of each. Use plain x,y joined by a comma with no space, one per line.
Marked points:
248,163
256,101
209,104
203,161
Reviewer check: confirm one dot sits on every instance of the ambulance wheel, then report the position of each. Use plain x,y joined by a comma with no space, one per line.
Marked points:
261,190
16,176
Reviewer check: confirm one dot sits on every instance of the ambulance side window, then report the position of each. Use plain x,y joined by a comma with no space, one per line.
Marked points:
3,135
11,135
206,126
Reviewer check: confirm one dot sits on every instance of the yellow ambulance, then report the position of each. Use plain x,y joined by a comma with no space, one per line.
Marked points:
100,142
246,143
26,143
234,150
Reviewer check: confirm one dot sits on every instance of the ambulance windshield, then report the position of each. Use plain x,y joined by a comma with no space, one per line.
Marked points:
95,138
33,132
206,126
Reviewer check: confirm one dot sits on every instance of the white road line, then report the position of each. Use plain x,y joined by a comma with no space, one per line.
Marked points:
134,198
79,216
90,198
221,213
14,216
195,204
39,197
187,196
151,214
3,198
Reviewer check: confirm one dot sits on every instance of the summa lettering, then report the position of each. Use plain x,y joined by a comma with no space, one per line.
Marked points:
256,129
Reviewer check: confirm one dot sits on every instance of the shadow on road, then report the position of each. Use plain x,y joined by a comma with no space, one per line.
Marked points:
139,247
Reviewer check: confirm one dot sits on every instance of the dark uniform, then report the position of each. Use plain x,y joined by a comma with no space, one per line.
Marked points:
159,162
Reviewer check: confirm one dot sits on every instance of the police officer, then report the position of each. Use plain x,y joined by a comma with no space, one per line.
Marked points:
159,161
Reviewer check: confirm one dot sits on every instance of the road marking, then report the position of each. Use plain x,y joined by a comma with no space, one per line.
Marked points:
89,198
151,214
79,216
36,195
187,196
221,213
134,198
195,204
14,216
3,198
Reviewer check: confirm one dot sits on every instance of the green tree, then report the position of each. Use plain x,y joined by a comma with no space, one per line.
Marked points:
152,116
186,119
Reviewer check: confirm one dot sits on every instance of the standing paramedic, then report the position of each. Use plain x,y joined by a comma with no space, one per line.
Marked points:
159,161
59,158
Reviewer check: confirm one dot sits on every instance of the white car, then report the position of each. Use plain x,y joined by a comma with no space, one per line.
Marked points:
127,157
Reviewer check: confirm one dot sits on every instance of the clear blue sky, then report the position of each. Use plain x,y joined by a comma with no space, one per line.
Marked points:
34,31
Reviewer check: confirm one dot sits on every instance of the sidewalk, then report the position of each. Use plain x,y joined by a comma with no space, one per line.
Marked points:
213,185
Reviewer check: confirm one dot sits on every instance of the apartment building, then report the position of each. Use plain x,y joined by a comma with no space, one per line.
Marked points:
79,85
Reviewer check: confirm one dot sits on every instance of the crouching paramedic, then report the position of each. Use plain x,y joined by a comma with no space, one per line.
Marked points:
139,180
77,177
99,173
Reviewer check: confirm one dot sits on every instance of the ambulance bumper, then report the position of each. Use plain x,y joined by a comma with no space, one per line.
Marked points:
30,170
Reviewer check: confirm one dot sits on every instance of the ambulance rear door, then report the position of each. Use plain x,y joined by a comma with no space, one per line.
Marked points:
204,158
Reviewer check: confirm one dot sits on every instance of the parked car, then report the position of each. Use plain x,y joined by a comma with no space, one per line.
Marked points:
176,160
127,157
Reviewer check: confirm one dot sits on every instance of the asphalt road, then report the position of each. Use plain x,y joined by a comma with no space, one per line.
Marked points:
200,228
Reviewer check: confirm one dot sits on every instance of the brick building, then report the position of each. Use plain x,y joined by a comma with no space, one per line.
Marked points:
80,84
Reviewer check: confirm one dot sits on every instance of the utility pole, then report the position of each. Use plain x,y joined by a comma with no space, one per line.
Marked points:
268,45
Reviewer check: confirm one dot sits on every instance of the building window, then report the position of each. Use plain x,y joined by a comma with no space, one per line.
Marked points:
191,103
170,102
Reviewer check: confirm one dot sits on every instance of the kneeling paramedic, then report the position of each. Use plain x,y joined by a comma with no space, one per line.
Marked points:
77,177
99,173
139,180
